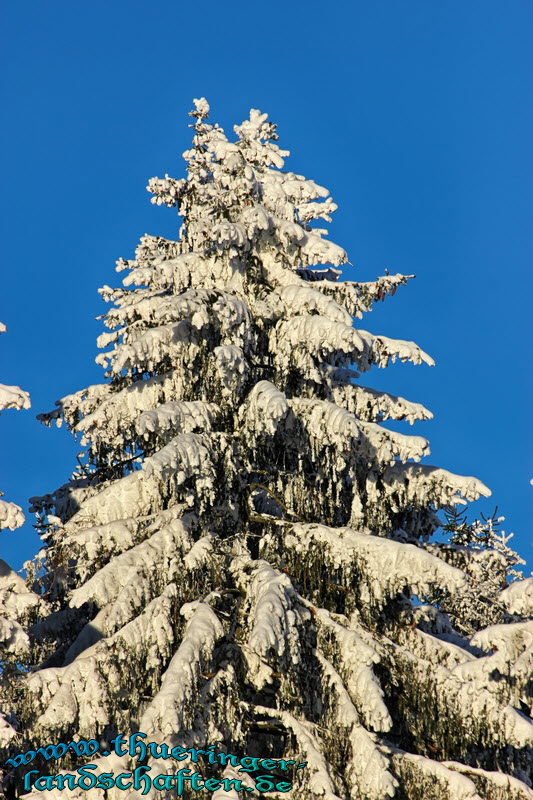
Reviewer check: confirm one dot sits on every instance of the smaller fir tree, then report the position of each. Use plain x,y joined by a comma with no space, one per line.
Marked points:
16,601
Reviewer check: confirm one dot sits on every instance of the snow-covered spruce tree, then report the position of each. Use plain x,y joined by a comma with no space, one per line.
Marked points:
242,557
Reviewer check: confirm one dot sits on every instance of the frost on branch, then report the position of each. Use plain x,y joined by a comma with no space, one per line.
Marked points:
245,553
14,397
518,597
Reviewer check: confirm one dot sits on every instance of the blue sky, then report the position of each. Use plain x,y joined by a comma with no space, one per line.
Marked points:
416,115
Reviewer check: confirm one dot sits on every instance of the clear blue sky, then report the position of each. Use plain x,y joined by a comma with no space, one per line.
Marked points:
416,115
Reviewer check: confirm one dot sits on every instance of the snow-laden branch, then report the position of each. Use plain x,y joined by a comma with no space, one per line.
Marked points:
474,702
328,424
432,779
493,784
318,779
185,456
368,768
231,367
308,336
13,397
80,696
370,404
170,709
264,409
124,570
272,641
185,417
518,597
11,516
355,659
357,297
384,566
302,299
423,483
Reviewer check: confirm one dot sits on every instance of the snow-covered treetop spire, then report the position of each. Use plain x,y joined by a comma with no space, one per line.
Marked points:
201,110
256,136
246,175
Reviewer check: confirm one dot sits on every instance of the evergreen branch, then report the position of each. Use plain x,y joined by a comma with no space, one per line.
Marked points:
252,486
